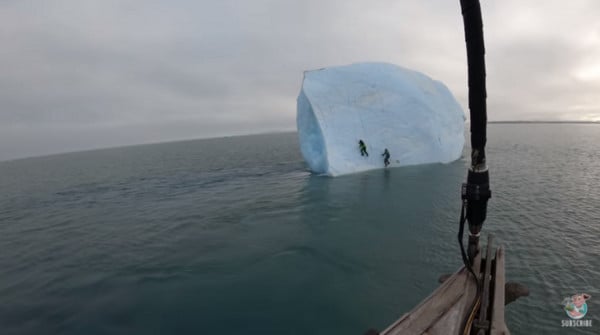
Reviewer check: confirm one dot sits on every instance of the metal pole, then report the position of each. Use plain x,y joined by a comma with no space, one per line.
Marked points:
476,191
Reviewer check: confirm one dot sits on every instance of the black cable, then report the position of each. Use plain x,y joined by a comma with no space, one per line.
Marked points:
476,191
467,262
473,24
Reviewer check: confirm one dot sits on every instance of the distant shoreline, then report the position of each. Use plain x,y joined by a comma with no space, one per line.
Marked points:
564,122
12,159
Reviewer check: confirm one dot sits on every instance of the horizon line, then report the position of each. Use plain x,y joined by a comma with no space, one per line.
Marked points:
267,133
542,121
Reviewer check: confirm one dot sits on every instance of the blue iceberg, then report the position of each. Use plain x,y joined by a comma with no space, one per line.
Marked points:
415,117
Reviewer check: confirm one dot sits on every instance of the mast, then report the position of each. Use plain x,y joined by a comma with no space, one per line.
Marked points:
482,280
476,191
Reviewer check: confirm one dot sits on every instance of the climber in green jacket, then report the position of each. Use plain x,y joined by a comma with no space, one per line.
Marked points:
363,148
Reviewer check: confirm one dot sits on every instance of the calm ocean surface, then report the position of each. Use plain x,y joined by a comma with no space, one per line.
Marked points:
234,236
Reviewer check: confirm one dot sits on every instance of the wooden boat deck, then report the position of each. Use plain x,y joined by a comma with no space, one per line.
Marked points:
444,311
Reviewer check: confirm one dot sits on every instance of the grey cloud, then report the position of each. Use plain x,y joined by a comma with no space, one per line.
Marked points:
79,75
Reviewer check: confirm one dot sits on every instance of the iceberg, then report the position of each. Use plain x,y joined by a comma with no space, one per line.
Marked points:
387,106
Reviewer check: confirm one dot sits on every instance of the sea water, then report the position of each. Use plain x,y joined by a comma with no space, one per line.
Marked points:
235,236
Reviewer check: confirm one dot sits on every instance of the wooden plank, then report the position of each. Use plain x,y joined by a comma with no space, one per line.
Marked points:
498,323
432,308
443,311
451,322
473,293
482,321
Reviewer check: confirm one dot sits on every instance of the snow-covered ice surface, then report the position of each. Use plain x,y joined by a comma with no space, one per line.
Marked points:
415,117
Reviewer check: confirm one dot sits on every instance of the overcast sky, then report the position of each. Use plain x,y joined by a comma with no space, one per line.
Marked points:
80,74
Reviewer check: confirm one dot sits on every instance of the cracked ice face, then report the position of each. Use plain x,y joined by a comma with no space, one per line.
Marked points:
311,137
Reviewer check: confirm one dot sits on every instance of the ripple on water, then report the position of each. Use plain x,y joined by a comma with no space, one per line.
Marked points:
234,236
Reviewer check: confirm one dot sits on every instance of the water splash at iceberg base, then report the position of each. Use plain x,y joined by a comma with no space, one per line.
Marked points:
415,117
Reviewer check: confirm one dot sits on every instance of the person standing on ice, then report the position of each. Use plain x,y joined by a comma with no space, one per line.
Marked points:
363,148
386,157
